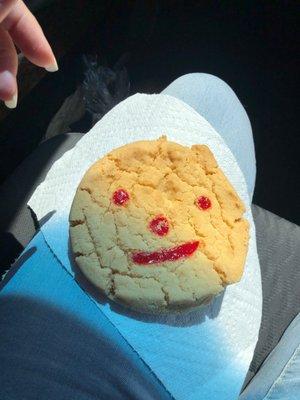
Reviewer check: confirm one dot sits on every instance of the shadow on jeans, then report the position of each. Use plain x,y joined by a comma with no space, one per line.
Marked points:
46,353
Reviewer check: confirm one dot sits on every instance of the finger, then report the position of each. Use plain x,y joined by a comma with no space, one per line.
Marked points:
29,37
5,7
8,70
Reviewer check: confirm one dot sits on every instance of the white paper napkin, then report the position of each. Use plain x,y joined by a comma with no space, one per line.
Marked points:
204,354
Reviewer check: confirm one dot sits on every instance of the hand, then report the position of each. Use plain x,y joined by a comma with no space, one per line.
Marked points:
19,27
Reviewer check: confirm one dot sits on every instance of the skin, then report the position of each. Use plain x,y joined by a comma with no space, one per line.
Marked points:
19,28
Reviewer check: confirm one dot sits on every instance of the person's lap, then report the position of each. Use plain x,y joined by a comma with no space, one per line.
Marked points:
209,89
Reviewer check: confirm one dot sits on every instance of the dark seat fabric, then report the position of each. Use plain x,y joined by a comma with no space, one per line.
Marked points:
278,243
16,223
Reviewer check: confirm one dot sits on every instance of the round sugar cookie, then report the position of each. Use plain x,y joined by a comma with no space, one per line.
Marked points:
157,226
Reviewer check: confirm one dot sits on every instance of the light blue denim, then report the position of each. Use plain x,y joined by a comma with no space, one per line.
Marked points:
218,104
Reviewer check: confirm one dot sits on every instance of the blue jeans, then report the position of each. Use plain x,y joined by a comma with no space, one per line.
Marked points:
55,347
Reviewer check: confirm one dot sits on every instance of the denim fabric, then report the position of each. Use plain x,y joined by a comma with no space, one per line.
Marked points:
218,104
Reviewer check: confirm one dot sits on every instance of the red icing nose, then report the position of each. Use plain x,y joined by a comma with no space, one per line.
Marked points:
120,197
159,225
203,202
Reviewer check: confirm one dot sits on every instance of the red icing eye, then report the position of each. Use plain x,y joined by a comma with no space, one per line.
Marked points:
120,197
203,202
159,225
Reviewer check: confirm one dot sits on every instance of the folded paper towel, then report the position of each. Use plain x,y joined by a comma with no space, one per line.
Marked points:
204,354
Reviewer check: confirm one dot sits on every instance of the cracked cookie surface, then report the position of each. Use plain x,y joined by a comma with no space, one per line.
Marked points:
157,226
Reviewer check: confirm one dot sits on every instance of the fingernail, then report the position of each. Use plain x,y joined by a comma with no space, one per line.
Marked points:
52,67
7,86
12,103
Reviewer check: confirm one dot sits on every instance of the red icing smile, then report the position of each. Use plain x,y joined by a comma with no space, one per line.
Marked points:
173,254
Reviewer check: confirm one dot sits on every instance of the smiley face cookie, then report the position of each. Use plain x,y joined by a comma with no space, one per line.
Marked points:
157,226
